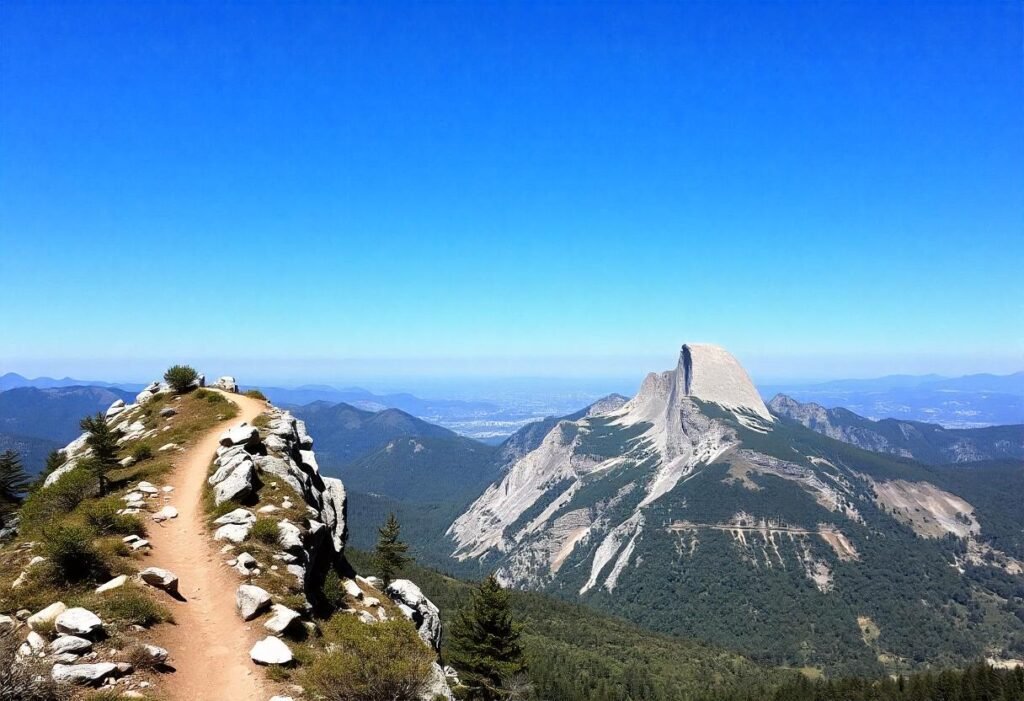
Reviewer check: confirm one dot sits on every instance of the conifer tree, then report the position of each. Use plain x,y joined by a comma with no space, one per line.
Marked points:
103,442
485,647
390,556
14,482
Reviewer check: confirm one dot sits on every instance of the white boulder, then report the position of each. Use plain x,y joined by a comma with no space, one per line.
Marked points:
79,621
47,615
236,533
270,650
240,435
251,601
114,583
94,674
280,618
238,517
237,485
70,643
419,609
161,579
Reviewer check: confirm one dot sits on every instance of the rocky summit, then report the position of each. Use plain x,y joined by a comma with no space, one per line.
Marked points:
691,508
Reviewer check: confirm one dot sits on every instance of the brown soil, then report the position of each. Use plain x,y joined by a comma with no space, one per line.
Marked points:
209,642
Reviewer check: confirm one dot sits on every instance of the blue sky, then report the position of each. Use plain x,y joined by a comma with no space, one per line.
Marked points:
335,190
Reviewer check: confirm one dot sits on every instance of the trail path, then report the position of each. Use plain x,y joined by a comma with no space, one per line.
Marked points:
209,642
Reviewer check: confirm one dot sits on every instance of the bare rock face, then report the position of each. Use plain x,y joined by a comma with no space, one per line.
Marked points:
419,609
251,601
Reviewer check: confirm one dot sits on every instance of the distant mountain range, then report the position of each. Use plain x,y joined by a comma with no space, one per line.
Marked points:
954,402
11,380
35,420
930,443
392,452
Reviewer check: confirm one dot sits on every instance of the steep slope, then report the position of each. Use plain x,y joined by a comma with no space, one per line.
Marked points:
930,443
53,413
692,510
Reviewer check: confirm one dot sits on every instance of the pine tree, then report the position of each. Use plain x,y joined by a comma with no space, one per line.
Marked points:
103,442
390,556
485,647
14,482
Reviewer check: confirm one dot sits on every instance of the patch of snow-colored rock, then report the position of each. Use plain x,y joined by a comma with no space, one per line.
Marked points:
269,651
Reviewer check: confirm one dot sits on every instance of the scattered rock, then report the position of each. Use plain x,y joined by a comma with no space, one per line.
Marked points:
237,485
352,589
289,536
226,383
251,601
240,435
244,563
232,532
165,448
281,617
238,517
114,583
36,643
7,623
161,579
20,581
268,509
94,674
115,409
70,643
139,544
79,621
127,462
167,412
270,650
157,654
47,615
166,513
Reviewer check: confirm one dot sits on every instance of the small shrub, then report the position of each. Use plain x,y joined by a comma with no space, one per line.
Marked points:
25,680
261,421
102,515
255,394
132,606
381,662
211,397
180,378
47,504
140,659
264,531
334,592
142,452
71,555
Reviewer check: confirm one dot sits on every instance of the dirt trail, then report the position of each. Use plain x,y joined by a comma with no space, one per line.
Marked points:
209,643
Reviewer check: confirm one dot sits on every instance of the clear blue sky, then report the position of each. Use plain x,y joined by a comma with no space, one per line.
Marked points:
828,189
